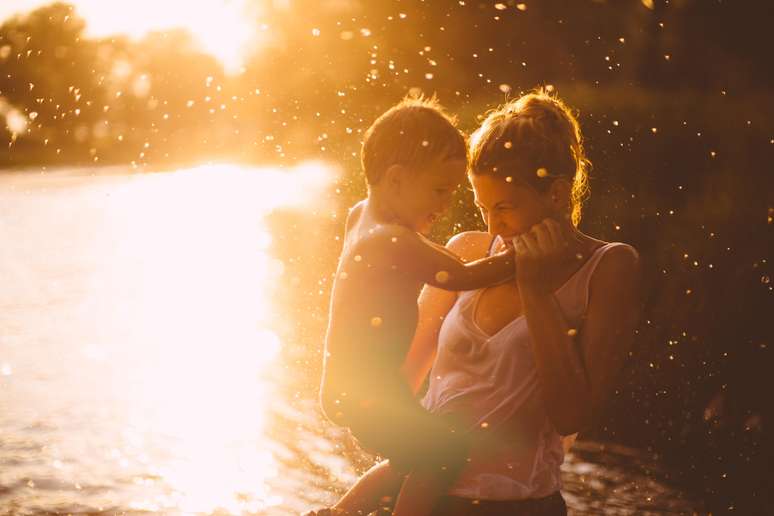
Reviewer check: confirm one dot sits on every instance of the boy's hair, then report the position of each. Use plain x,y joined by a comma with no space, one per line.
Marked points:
412,133
535,138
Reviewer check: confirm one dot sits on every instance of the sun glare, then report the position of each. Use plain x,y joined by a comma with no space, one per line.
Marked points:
202,312
223,28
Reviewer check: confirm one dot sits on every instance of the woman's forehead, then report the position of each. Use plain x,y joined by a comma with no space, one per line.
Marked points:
492,189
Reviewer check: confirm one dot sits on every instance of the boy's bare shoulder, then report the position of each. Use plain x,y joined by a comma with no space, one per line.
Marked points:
382,243
470,245
381,234
353,215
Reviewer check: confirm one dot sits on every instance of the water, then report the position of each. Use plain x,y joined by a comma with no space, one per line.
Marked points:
150,361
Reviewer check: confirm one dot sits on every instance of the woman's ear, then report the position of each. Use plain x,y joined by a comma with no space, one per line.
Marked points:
560,194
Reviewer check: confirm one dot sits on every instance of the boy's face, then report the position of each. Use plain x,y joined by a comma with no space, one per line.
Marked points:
424,195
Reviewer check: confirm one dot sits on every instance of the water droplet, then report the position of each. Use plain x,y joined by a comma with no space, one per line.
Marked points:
541,172
765,279
376,321
442,277
572,332
508,144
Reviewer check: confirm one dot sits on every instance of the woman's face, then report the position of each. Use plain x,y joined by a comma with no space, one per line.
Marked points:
510,208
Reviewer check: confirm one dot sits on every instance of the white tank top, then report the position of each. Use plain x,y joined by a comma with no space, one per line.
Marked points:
491,381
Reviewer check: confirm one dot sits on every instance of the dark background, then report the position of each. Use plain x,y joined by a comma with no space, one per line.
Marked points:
674,99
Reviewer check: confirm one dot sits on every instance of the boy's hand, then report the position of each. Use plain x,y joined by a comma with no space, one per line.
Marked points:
539,251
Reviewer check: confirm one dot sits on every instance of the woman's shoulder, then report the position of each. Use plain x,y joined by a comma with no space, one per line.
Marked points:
615,251
612,262
470,245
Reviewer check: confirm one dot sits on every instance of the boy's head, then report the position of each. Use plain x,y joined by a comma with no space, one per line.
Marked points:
415,156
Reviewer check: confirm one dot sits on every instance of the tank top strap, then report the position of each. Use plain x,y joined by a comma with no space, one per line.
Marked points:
581,280
495,239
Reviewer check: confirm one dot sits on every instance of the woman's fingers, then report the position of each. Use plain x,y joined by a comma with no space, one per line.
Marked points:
542,237
558,237
530,244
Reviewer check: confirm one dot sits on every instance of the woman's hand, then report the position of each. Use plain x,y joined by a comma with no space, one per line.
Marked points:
538,253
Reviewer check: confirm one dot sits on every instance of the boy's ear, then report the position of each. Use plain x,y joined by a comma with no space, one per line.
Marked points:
394,176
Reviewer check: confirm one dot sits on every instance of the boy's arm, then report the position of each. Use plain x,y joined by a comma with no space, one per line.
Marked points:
432,264
434,305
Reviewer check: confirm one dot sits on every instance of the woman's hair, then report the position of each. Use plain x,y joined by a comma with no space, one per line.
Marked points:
535,139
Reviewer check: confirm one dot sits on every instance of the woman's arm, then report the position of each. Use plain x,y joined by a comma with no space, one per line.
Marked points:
577,367
434,304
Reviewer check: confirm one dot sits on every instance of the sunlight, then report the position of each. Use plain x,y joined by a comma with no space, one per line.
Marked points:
157,329
176,320
202,314
223,28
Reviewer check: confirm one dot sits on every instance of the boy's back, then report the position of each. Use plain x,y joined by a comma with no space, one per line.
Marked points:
373,312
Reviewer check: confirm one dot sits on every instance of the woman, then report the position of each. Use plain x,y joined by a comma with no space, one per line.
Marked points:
527,362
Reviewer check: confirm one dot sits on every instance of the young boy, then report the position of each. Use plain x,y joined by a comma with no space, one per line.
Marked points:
414,158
